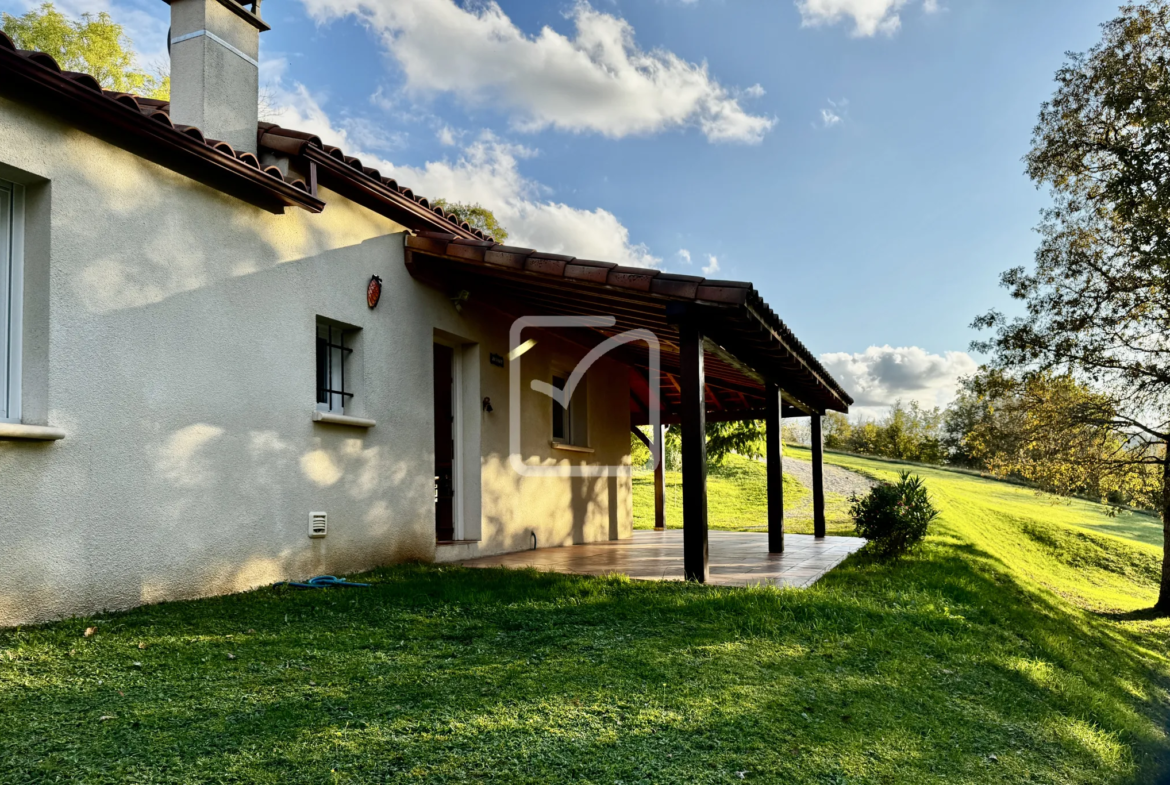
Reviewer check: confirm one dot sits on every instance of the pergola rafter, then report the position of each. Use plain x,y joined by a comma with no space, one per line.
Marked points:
724,355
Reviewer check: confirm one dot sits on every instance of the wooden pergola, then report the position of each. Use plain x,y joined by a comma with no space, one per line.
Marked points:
724,356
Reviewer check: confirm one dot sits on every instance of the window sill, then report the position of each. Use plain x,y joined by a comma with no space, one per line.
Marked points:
571,447
341,419
40,433
456,542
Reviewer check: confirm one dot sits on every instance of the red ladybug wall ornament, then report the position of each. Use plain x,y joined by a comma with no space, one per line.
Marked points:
374,291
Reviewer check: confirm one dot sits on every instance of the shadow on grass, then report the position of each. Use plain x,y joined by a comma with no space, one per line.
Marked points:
1142,614
916,671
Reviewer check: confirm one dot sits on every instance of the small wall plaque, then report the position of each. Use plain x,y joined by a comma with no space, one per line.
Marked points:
497,360
374,291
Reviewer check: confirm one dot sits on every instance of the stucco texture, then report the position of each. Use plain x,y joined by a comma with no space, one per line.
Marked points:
169,330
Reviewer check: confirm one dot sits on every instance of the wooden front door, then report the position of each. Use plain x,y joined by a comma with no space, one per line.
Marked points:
444,444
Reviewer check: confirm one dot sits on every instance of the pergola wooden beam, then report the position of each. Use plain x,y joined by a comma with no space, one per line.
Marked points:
694,448
724,356
659,474
775,457
818,477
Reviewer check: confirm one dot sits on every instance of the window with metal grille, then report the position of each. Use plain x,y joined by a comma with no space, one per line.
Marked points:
11,293
332,358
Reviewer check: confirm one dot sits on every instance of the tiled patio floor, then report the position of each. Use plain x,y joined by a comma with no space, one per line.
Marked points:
734,558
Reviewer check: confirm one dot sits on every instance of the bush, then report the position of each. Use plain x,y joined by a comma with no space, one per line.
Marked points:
894,516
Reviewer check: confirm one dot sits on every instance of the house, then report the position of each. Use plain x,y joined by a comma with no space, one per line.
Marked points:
231,354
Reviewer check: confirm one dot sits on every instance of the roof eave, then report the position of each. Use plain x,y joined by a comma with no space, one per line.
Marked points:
36,84
356,185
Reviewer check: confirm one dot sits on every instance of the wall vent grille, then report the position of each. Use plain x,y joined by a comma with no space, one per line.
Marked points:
318,524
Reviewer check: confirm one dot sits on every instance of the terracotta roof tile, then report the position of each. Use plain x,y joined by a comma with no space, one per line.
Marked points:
587,270
671,287
153,109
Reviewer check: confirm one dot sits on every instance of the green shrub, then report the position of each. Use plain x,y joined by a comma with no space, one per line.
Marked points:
893,516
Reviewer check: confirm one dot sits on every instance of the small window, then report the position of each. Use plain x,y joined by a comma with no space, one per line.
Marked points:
569,424
11,293
560,431
334,350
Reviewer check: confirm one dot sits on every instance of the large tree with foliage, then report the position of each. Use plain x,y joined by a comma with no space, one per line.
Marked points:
1097,303
93,44
1057,434
475,216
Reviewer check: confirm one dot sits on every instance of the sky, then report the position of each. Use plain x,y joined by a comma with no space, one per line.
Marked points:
859,161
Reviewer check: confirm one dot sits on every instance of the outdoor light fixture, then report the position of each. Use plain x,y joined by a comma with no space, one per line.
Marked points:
459,299
487,405
373,291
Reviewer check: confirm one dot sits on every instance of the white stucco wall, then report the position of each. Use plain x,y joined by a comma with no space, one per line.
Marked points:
169,330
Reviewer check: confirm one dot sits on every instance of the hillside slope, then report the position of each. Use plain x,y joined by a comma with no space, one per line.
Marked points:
1012,648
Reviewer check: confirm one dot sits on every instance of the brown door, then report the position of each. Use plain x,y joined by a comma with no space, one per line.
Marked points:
444,445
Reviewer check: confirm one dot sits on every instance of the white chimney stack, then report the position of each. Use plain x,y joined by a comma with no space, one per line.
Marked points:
215,76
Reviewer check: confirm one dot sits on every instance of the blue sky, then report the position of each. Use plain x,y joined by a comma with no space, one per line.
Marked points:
858,160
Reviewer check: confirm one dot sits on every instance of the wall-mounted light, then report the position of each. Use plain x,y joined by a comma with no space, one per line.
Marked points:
373,291
459,299
487,405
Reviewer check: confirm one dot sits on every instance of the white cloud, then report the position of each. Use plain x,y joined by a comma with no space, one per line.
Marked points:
684,255
881,375
448,136
834,114
870,17
598,80
712,266
487,172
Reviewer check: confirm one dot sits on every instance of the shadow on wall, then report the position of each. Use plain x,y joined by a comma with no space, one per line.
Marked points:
192,464
585,509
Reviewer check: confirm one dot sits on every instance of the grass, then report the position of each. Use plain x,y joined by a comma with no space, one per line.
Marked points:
1012,648
737,500
1141,527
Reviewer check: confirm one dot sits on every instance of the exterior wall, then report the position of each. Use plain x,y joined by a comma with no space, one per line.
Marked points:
169,330
559,511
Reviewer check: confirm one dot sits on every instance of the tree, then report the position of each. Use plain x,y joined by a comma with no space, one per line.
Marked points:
747,438
1056,433
971,406
1098,301
476,217
836,431
907,432
92,45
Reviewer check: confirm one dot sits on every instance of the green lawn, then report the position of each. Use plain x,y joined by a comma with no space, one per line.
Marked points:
1011,649
737,500
1005,498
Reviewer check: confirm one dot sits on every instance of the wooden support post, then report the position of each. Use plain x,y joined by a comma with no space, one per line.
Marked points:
659,474
775,457
818,477
694,449
660,482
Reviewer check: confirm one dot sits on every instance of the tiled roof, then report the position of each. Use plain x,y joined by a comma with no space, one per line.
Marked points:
645,289
37,77
363,183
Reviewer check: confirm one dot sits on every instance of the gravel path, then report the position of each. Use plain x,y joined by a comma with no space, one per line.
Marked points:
837,480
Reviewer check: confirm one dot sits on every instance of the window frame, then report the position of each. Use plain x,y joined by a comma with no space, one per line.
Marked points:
12,303
337,358
572,417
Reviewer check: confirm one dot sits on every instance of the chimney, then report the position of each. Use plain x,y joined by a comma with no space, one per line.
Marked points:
215,78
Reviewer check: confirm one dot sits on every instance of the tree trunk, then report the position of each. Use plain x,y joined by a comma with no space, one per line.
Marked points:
1163,605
